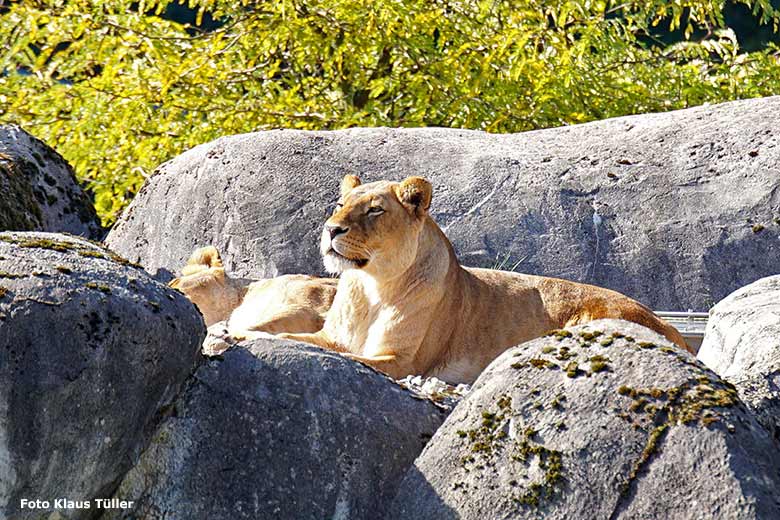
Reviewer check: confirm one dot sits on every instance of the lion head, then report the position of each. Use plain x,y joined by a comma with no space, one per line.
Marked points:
204,281
375,227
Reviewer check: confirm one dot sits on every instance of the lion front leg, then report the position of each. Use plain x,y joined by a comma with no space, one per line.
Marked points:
317,338
388,363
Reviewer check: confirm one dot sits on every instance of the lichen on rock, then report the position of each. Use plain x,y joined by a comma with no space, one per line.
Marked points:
625,437
86,368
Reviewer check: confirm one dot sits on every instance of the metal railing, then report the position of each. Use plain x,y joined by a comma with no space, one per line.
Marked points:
690,324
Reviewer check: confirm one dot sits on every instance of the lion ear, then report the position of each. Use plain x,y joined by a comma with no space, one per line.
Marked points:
415,193
348,183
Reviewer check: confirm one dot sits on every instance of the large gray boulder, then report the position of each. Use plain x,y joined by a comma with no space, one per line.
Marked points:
92,354
742,344
605,420
38,190
280,430
676,209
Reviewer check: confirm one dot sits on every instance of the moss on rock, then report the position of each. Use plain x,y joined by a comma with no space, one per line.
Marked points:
19,210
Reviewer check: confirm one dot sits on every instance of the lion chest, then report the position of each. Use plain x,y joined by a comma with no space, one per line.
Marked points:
364,327
359,320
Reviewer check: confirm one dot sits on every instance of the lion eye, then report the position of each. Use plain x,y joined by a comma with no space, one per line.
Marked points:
337,207
375,210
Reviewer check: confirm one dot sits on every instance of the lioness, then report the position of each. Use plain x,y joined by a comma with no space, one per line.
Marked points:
405,305
290,303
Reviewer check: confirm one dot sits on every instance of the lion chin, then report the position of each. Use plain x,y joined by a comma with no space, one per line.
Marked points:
336,264
413,309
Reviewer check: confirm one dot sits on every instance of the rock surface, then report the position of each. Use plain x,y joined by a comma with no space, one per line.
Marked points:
280,430
676,209
586,425
92,352
38,190
742,344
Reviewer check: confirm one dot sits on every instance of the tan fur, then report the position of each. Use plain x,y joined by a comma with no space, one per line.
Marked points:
290,303
205,283
405,305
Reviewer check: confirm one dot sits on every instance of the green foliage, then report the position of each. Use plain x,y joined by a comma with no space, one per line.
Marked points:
117,89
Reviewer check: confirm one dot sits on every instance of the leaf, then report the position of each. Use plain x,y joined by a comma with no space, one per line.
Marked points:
118,88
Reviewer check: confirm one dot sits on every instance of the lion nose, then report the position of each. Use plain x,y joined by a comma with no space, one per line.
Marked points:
335,231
